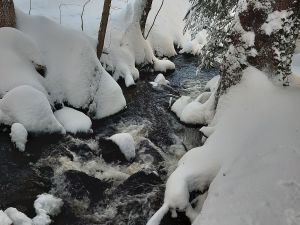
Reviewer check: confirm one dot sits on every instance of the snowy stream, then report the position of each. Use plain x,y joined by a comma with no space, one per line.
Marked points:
108,190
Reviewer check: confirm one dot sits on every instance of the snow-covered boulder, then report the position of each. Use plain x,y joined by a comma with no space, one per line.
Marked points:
4,219
18,52
17,217
18,136
160,80
30,107
180,104
73,121
126,144
48,204
74,73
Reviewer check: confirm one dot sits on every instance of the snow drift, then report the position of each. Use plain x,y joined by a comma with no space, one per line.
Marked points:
250,162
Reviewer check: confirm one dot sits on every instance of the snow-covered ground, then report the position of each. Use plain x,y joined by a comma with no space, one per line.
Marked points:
250,162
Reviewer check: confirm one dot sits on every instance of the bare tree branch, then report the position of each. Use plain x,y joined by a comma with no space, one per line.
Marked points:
82,12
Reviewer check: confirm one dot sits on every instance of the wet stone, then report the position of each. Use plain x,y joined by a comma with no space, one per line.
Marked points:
80,186
111,152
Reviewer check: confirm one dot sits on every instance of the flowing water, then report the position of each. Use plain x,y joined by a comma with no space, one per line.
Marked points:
98,187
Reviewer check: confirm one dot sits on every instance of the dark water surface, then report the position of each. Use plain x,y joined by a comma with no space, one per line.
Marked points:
110,191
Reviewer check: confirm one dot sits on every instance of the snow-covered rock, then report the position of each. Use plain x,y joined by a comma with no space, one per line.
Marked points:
74,73
17,217
18,52
180,104
4,219
73,121
160,80
126,144
30,107
18,136
48,204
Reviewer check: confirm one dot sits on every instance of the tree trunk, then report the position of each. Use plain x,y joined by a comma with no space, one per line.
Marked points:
145,13
7,13
103,26
270,50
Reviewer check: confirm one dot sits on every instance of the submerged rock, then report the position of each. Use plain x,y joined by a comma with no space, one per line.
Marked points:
80,186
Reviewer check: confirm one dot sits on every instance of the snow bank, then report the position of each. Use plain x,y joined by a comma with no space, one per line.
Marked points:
73,121
296,65
126,144
31,108
74,74
18,136
250,162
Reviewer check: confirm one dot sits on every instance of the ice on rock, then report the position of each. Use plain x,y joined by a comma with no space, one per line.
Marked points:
18,136
126,144
17,217
4,219
30,107
73,121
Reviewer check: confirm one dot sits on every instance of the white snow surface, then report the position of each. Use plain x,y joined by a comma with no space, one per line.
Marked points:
161,80
30,107
126,144
125,47
73,120
17,217
250,162
48,204
4,219
18,136
74,73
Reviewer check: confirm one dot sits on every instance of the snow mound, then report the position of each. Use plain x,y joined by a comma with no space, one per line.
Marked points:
250,162
30,107
73,121
126,144
48,204
4,219
180,104
160,80
74,73
198,111
126,47
296,65
195,46
17,217
212,85
17,55
19,136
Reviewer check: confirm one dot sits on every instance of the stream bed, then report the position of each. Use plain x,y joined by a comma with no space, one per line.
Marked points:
96,184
